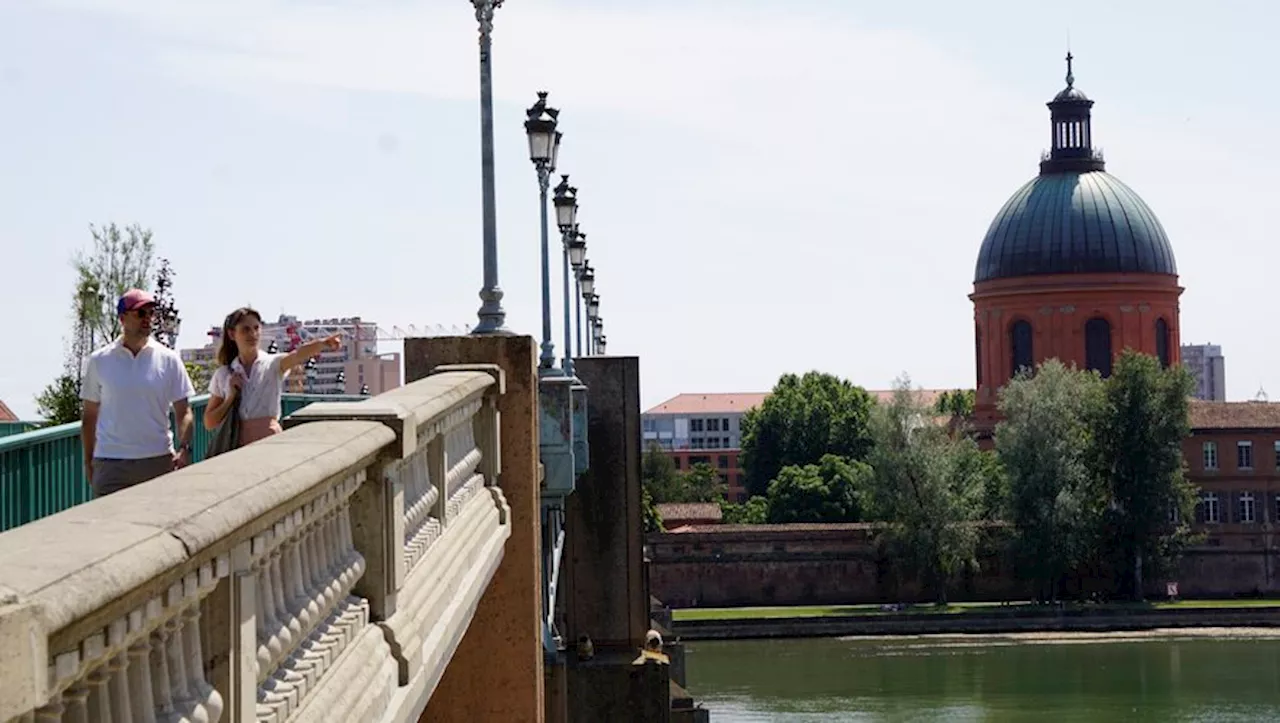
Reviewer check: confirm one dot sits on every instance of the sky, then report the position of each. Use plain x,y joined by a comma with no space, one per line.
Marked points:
767,186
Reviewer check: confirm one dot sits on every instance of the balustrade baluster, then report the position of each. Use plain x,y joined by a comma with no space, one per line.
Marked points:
99,706
118,674
51,713
175,654
208,700
141,692
160,686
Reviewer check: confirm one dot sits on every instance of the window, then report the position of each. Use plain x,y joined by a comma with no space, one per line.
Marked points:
724,442
1246,507
977,351
1162,342
695,425
724,424
1244,455
723,462
713,425
1210,455
1020,339
1097,346
1210,502
676,462
1277,445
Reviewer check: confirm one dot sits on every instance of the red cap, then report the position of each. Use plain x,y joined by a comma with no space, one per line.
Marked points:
134,299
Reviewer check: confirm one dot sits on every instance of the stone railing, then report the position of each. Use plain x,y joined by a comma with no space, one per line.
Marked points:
327,573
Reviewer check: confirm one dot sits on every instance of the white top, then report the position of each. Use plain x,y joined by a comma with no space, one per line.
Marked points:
134,394
260,396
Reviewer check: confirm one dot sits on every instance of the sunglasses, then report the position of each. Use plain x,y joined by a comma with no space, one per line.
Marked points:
145,312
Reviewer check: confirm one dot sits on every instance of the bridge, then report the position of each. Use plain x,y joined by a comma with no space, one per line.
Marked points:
410,556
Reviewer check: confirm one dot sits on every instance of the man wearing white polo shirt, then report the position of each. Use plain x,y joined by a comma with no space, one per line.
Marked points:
128,388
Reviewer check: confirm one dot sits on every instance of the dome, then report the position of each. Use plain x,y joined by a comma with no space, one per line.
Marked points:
1074,218
1074,222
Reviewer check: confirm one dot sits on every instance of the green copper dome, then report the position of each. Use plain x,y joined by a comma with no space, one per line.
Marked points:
1074,218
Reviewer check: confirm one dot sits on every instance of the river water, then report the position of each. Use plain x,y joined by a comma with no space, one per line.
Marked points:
1060,678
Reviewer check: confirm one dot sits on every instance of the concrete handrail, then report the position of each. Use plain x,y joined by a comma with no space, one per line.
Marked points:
254,583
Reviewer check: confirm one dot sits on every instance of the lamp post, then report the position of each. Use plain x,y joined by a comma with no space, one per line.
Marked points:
544,146
310,368
577,259
341,379
492,317
597,334
273,347
586,288
566,203
364,390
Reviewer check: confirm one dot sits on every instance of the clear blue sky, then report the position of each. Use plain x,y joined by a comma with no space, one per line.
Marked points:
766,186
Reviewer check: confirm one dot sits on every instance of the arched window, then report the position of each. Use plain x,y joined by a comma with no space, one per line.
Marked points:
1162,342
1097,346
977,351
1020,346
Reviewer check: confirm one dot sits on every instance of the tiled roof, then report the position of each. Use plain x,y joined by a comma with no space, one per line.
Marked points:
1234,415
709,403
676,511
721,403
6,414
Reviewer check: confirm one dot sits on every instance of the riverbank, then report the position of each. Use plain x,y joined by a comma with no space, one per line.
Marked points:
970,619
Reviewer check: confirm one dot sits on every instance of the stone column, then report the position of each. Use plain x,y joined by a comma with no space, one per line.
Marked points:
603,570
497,672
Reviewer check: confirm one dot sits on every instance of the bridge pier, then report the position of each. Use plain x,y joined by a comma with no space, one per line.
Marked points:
497,672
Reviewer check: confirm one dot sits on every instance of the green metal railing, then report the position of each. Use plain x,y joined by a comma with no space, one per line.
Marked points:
42,471
11,428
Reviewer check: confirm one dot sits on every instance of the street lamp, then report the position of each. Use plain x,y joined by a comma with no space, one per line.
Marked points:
593,306
492,317
600,345
597,333
577,257
364,390
310,368
342,382
273,347
544,147
566,203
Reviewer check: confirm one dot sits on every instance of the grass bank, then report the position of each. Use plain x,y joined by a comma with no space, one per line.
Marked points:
980,608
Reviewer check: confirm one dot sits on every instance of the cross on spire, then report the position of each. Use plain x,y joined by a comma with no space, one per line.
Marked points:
1071,78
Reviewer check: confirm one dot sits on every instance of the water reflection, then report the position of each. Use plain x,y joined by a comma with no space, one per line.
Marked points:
826,680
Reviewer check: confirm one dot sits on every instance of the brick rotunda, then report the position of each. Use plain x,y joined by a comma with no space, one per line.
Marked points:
1074,266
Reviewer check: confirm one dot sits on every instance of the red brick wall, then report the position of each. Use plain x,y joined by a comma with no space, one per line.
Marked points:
840,564
732,474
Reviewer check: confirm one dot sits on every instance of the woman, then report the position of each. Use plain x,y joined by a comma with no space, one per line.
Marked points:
255,377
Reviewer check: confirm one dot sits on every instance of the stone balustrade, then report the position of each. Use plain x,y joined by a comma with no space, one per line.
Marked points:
326,573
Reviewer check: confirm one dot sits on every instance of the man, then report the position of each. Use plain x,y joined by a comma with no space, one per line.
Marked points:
128,388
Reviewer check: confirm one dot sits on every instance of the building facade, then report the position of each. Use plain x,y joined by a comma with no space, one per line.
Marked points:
348,370
1075,266
1208,366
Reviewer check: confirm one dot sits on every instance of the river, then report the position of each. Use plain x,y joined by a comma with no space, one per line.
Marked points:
1166,677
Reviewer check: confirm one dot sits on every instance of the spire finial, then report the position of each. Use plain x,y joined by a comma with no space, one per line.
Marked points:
1071,78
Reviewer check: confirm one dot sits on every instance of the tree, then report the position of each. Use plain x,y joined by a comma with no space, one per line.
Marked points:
1145,418
200,375
665,484
167,322
829,491
803,419
754,511
59,403
652,518
116,263
701,484
957,403
1046,443
927,488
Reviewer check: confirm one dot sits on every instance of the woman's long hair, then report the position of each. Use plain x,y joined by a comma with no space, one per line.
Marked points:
228,350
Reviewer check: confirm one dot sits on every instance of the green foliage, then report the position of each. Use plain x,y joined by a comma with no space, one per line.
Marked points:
59,403
200,375
755,511
830,491
1046,443
116,263
665,484
927,488
1139,443
167,322
957,403
802,420
652,518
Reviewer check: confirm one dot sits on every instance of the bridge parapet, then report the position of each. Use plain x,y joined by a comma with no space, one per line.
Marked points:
326,573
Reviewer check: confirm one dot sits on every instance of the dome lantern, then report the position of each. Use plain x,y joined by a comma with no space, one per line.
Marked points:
1071,138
